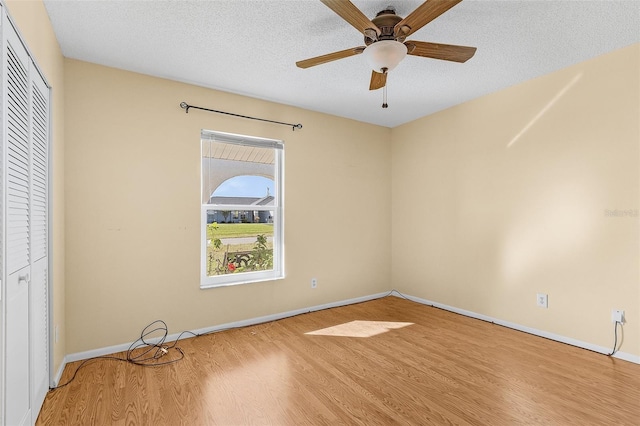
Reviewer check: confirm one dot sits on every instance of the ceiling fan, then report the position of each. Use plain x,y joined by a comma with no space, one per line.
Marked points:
385,38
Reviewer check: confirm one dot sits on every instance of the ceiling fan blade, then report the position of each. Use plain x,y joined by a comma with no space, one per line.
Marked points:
378,80
447,52
318,60
350,13
425,13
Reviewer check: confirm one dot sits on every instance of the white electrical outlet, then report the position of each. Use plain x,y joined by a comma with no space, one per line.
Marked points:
542,300
617,315
314,282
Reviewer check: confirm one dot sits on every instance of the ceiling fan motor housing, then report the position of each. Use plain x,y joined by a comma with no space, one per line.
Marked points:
386,21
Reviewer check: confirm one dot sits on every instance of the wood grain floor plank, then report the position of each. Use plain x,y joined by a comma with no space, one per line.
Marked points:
382,362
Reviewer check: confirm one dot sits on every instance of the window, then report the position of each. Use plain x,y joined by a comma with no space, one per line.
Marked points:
242,209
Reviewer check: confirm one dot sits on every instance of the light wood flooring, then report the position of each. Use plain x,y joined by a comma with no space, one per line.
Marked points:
384,362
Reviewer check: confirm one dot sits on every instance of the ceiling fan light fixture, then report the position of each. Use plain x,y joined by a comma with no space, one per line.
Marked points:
384,54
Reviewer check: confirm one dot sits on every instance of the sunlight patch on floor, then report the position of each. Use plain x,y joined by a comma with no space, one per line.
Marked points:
360,328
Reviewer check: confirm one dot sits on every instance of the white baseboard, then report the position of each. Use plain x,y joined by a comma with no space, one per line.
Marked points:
78,356
56,378
563,339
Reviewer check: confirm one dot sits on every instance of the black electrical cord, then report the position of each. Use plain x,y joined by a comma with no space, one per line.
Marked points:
141,352
615,338
82,364
154,351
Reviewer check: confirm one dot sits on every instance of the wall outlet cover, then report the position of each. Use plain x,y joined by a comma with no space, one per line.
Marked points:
617,315
542,300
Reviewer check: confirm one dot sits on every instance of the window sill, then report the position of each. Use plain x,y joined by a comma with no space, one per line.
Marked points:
240,279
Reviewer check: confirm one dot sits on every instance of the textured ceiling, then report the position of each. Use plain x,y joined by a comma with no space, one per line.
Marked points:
250,48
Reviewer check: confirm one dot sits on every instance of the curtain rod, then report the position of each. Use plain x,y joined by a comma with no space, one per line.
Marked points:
186,107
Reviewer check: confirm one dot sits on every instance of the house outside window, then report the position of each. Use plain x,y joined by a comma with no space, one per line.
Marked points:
242,209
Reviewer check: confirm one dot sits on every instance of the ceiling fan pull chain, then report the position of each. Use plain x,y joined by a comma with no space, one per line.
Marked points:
384,97
384,92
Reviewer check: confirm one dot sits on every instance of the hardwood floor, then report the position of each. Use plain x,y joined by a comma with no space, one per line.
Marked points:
410,364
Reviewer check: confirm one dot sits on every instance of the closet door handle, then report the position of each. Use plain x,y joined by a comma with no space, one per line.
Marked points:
24,278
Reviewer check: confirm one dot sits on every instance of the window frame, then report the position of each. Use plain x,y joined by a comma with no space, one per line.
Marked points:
278,213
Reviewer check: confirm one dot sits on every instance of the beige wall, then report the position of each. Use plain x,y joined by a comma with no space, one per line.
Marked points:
503,197
495,200
133,207
33,23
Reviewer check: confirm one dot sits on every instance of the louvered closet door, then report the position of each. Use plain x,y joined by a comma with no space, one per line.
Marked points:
38,298
17,164
25,149
18,182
